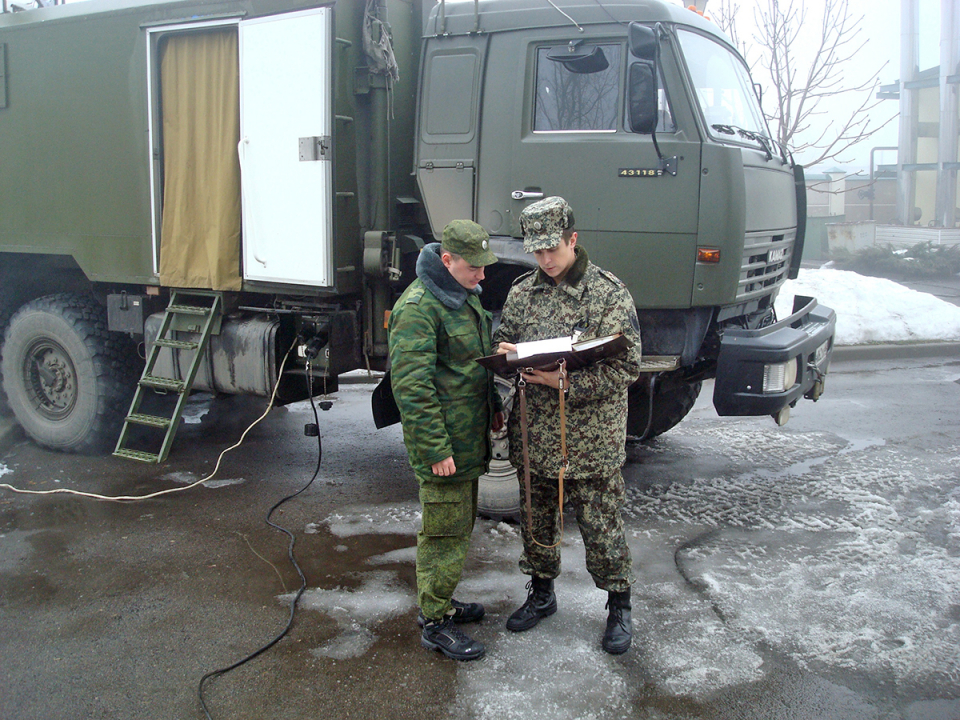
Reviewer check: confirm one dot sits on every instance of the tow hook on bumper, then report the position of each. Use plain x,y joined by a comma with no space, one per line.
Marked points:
765,371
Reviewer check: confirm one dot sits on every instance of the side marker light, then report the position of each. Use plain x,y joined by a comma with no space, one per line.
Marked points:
708,255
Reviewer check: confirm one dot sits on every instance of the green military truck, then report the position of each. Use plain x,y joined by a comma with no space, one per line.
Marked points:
190,189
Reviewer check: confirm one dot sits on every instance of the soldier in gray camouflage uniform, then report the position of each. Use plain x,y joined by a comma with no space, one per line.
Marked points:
570,296
447,403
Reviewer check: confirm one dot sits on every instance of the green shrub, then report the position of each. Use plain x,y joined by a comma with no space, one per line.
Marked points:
923,260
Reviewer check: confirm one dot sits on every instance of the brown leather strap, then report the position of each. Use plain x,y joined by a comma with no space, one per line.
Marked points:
563,437
521,388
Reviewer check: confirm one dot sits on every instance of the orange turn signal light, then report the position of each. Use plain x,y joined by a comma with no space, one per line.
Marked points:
708,255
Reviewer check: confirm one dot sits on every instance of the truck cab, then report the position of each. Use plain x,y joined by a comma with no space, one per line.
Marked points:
698,210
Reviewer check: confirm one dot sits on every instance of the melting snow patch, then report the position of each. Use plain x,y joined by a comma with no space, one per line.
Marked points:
399,519
181,478
188,478
557,672
354,642
193,416
357,611
4,470
213,484
403,555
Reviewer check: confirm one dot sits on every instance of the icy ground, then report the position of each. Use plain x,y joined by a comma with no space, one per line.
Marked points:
840,558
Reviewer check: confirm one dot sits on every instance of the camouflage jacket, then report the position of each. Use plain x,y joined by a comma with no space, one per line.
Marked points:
446,399
596,303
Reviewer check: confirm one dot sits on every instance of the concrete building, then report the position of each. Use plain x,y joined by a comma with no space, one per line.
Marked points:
927,157
846,198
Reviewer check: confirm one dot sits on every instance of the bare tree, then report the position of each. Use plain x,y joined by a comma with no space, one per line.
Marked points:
803,65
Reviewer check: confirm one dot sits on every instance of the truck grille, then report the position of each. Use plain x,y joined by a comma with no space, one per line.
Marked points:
766,260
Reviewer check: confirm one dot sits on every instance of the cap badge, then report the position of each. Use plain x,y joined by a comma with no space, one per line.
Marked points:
483,244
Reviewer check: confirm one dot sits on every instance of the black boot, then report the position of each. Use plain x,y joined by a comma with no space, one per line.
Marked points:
541,602
616,639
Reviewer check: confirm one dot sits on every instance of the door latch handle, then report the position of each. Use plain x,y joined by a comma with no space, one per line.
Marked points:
526,195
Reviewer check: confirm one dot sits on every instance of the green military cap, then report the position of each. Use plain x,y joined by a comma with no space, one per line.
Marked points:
469,241
543,223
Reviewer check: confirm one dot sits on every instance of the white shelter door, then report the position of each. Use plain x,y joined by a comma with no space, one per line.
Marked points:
285,148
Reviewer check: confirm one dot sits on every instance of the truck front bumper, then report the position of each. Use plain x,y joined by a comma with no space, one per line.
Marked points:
761,372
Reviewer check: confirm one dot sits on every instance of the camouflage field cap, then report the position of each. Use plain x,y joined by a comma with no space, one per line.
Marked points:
469,241
543,223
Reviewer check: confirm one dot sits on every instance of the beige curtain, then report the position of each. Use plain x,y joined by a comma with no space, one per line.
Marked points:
200,95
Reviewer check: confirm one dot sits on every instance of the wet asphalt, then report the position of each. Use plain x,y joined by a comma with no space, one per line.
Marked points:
111,610
114,610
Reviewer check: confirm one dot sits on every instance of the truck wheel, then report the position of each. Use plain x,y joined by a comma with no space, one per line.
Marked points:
673,398
498,492
68,380
4,321
8,303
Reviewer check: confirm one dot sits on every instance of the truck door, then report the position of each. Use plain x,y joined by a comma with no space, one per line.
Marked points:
448,131
285,148
281,184
560,130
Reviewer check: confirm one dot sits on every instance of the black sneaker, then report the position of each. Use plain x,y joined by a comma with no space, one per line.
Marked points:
461,613
445,636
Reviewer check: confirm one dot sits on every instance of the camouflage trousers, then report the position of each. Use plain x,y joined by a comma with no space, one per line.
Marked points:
597,502
449,511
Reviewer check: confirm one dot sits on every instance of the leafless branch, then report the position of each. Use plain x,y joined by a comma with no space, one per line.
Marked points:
818,185
805,70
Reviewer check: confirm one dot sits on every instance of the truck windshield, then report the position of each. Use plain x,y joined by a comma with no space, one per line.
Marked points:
724,91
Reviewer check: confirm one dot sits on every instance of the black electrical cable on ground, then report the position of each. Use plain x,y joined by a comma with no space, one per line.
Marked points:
293,559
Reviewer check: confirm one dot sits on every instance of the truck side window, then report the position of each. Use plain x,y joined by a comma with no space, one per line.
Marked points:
581,101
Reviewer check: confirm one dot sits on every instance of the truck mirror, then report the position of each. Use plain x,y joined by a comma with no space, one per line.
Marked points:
642,97
643,41
580,60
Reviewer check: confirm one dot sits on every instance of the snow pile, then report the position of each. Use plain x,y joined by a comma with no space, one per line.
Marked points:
874,310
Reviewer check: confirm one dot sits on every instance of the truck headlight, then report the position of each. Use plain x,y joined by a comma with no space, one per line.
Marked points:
780,377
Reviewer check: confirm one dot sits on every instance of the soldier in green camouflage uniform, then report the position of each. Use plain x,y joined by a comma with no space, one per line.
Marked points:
570,296
447,403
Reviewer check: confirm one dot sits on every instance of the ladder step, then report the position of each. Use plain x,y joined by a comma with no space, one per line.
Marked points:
162,383
659,363
188,310
137,455
177,344
150,420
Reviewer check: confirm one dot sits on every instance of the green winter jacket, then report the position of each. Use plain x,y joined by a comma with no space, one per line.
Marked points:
446,398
